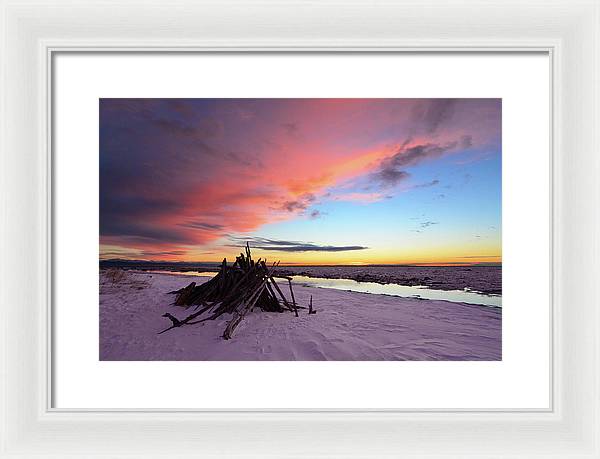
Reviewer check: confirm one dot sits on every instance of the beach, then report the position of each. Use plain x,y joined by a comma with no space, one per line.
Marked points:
348,325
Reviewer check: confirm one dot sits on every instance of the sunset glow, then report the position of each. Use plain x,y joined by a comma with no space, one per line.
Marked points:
304,181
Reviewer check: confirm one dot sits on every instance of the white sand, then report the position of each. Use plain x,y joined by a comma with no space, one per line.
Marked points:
347,326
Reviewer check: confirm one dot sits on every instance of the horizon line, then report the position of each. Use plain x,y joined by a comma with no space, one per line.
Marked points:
421,263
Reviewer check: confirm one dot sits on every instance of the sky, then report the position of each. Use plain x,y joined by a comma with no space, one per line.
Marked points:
303,181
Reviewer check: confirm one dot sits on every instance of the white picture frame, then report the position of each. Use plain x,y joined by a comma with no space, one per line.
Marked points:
32,31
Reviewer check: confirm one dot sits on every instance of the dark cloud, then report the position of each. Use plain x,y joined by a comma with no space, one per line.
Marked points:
173,127
299,204
248,160
466,141
202,226
137,219
391,169
155,253
290,128
142,232
428,184
417,154
315,248
315,214
144,254
128,205
388,176
428,224
119,254
431,114
183,107
158,160
149,158
293,206
289,246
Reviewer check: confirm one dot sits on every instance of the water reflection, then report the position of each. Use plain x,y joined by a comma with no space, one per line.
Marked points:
459,296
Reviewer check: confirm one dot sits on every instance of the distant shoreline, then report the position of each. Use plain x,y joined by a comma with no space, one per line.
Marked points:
484,279
214,265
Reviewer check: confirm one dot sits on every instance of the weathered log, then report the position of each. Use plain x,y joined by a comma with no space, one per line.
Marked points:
184,295
231,326
285,301
176,322
293,299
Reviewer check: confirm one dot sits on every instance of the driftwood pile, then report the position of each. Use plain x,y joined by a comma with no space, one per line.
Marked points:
236,290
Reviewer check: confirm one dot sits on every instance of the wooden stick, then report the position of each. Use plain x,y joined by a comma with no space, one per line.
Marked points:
183,321
310,308
293,299
270,289
185,294
233,323
280,293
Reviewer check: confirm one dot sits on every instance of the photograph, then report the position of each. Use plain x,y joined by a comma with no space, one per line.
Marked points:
300,229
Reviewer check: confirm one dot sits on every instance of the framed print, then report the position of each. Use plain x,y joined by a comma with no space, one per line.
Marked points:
370,184
246,199
324,230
